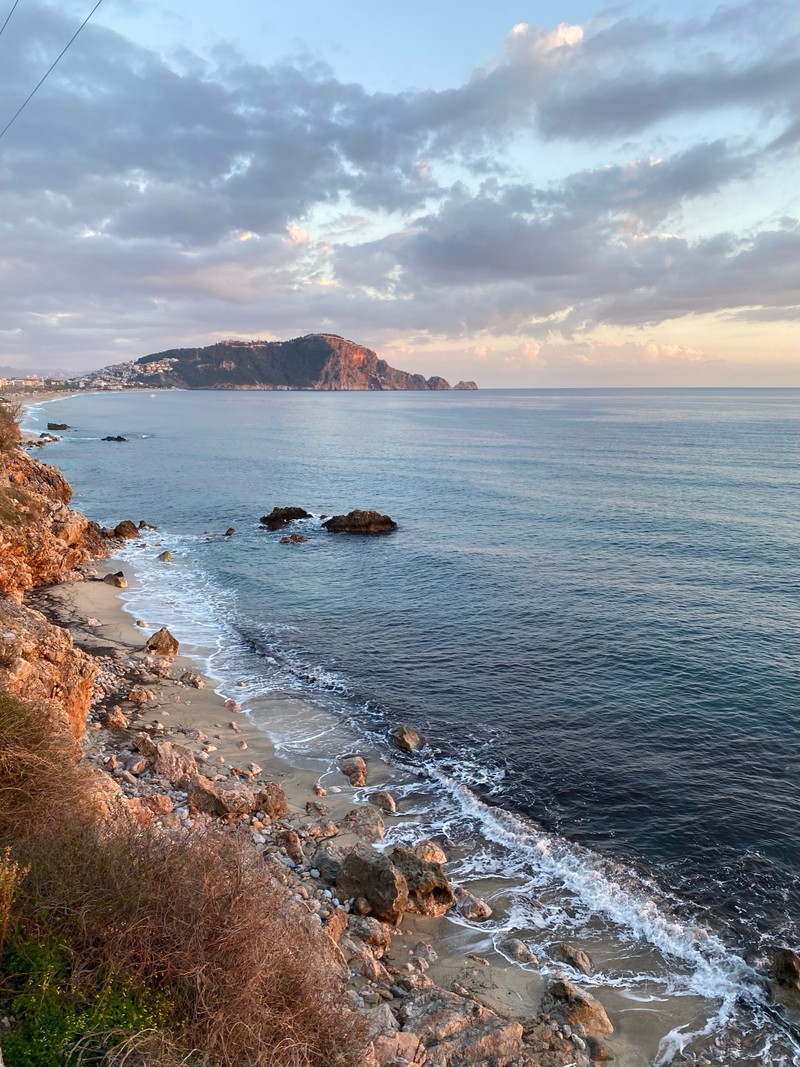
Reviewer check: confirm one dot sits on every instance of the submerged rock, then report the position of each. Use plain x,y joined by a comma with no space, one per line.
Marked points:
293,539
230,531
575,957
360,522
786,979
282,517
118,437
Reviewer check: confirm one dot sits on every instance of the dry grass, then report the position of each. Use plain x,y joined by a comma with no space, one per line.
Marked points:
195,919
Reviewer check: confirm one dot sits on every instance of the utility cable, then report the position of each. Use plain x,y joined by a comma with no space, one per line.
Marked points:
8,16
47,73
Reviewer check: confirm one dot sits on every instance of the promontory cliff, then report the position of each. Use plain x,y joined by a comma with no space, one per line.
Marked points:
318,361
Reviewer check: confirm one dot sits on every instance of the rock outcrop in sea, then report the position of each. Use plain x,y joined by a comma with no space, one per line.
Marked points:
318,361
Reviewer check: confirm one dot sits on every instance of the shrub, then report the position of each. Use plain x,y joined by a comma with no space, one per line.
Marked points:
10,434
141,920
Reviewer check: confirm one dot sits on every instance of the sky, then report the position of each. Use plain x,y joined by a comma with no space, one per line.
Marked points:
524,194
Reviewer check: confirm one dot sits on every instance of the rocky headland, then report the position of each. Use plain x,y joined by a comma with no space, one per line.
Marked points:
318,361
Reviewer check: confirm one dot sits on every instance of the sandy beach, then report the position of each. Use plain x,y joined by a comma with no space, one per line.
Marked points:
464,956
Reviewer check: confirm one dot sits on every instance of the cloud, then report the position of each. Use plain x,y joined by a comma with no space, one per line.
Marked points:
146,200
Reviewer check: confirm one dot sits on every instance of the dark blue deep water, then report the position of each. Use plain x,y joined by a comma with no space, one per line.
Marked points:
590,605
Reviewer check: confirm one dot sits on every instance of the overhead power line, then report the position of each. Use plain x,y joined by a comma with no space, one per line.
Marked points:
8,16
49,70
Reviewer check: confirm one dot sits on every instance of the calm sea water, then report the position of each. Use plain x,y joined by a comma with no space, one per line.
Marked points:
590,608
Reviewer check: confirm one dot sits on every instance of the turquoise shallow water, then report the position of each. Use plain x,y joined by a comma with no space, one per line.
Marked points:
590,606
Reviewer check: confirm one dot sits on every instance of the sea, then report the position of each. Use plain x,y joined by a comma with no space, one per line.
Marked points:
589,608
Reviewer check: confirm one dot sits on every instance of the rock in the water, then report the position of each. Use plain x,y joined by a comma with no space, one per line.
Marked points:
472,907
118,580
429,892
516,950
786,979
368,873
574,956
407,738
354,768
282,516
293,539
144,525
429,851
58,426
230,531
383,800
360,522
126,529
162,643
166,556
465,385
366,822
117,437
576,1006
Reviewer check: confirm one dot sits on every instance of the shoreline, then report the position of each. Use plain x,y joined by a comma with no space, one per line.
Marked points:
494,980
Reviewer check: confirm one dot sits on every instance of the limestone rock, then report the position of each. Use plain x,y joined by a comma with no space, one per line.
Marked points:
126,529
576,1006
118,580
472,907
279,517
328,860
355,769
115,720
166,556
230,531
193,679
369,874
429,851
367,822
575,957
162,643
360,522
140,696
58,426
383,800
271,798
407,738
175,763
458,1031
293,539
516,950
372,932
115,437
429,892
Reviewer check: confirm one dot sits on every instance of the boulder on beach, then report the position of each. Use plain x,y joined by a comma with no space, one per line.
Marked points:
58,426
117,579
429,851
126,529
360,522
429,892
355,769
365,821
471,907
407,738
384,800
577,1006
162,643
222,801
367,873
271,799
282,517
516,950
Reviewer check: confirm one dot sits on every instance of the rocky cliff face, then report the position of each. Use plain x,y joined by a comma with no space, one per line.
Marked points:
317,361
42,540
